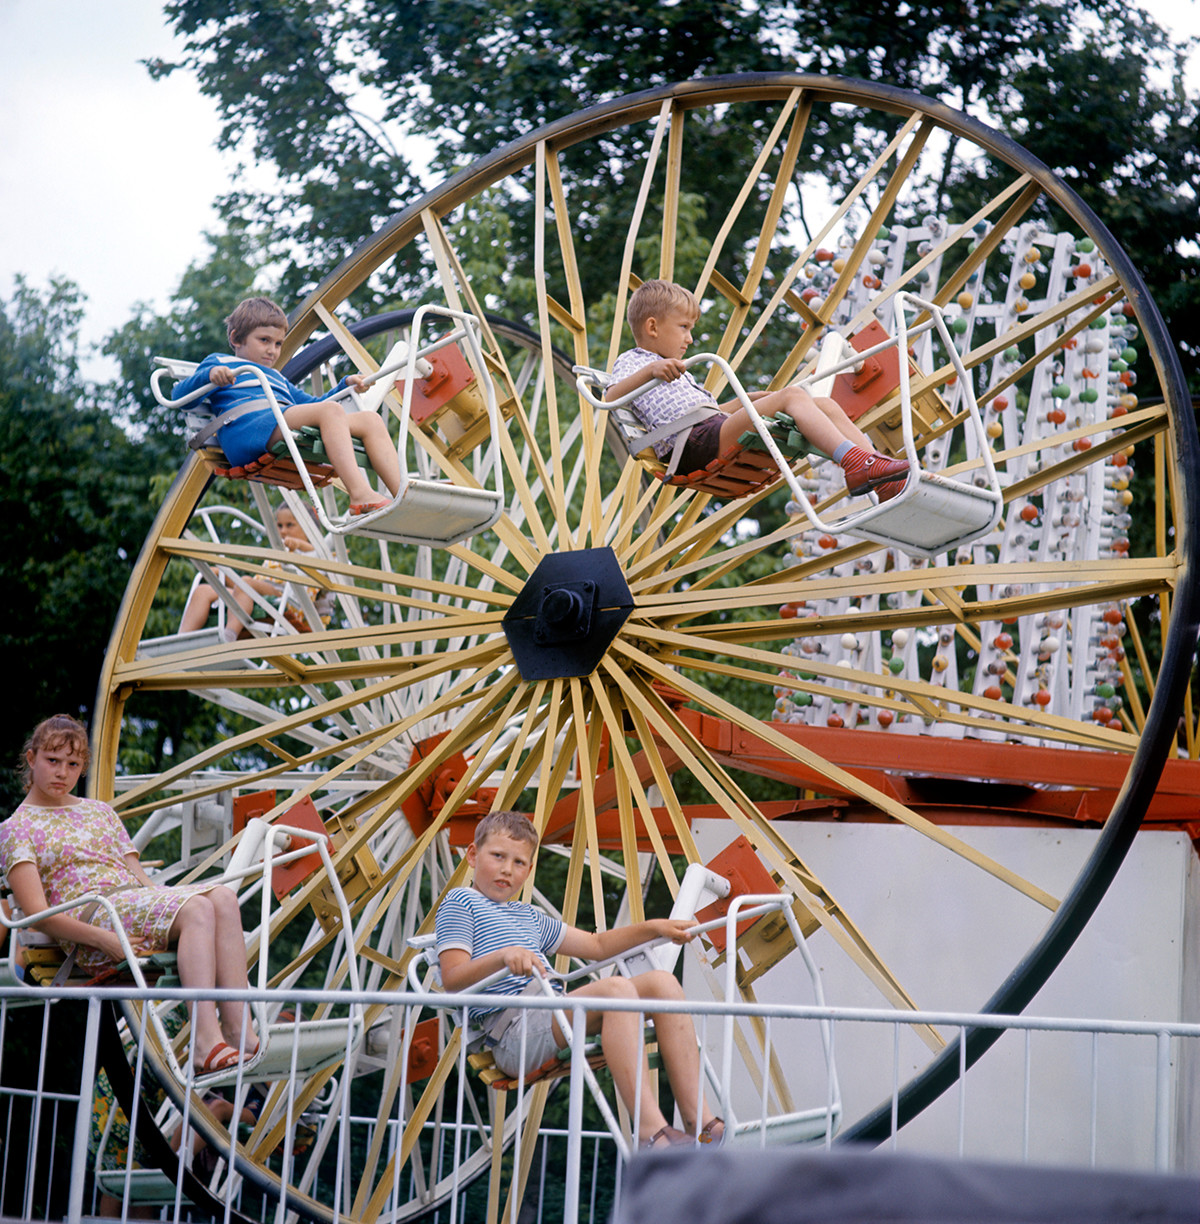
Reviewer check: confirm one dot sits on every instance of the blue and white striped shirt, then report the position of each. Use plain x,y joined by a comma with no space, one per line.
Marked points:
468,920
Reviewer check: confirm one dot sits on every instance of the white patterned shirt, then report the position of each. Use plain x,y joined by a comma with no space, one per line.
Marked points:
665,403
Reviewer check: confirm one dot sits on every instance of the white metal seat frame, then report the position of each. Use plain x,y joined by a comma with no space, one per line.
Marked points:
799,1126
700,886
142,1185
284,1050
933,513
426,959
295,593
437,513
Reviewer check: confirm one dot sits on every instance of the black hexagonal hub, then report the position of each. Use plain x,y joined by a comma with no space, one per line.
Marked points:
568,613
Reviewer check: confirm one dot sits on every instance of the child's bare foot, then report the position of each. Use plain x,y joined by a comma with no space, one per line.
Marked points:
222,1057
237,1040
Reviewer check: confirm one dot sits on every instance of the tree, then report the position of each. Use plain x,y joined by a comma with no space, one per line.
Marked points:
1129,150
170,723
76,502
192,327
329,96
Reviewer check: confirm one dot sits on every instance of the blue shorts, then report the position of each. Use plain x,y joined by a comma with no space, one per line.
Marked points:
245,439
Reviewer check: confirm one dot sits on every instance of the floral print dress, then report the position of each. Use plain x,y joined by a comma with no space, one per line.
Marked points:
80,848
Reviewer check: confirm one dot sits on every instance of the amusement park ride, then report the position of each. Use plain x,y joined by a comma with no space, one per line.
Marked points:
974,651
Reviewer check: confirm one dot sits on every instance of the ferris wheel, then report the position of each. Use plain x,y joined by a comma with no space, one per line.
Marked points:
619,653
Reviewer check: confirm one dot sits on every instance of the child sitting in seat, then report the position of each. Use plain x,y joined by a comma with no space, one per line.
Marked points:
661,316
204,598
257,328
57,847
483,929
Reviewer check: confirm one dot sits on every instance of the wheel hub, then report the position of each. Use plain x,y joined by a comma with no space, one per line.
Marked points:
568,614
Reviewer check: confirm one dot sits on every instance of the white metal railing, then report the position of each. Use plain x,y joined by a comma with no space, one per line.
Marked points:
25,1168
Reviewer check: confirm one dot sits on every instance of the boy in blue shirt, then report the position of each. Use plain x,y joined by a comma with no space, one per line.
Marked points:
483,929
256,329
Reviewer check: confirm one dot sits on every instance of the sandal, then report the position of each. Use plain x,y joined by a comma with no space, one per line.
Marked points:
670,1138
222,1057
357,508
706,1131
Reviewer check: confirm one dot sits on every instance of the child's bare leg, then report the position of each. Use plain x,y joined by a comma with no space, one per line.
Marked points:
844,425
377,442
333,422
625,1053
195,615
209,954
191,933
229,948
678,1046
814,424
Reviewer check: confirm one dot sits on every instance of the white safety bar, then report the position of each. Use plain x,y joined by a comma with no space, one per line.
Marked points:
412,365
741,909
587,381
427,955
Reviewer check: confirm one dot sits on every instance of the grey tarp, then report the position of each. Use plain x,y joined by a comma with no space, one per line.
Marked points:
777,1186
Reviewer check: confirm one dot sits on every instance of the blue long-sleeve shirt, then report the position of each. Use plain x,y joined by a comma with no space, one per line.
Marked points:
245,439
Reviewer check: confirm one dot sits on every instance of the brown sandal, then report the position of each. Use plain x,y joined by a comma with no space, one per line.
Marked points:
671,1137
706,1131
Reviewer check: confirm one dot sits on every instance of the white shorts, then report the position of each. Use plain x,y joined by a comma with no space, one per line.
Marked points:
540,1046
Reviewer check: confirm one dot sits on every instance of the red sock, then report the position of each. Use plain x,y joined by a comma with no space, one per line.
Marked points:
854,460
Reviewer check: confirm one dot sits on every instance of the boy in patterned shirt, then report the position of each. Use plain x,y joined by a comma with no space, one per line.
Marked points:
484,929
661,316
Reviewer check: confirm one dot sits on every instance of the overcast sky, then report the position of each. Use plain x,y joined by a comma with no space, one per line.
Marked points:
87,143
107,177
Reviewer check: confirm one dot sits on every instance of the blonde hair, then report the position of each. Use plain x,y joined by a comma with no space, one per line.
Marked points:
57,731
513,824
653,299
251,313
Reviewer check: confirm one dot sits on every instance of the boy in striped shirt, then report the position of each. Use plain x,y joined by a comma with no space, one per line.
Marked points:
484,929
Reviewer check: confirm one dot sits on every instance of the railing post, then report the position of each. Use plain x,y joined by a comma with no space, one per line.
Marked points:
1162,1102
83,1116
575,1116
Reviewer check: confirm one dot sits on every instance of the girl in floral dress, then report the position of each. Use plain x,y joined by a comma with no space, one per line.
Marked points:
56,847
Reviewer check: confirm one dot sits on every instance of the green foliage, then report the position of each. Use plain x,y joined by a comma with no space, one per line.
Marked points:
192,328
340,99
75,500
1128,147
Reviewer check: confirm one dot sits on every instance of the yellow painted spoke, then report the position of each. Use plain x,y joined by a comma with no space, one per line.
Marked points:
845,780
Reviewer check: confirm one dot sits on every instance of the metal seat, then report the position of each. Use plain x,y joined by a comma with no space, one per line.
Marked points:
428,511
932,514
